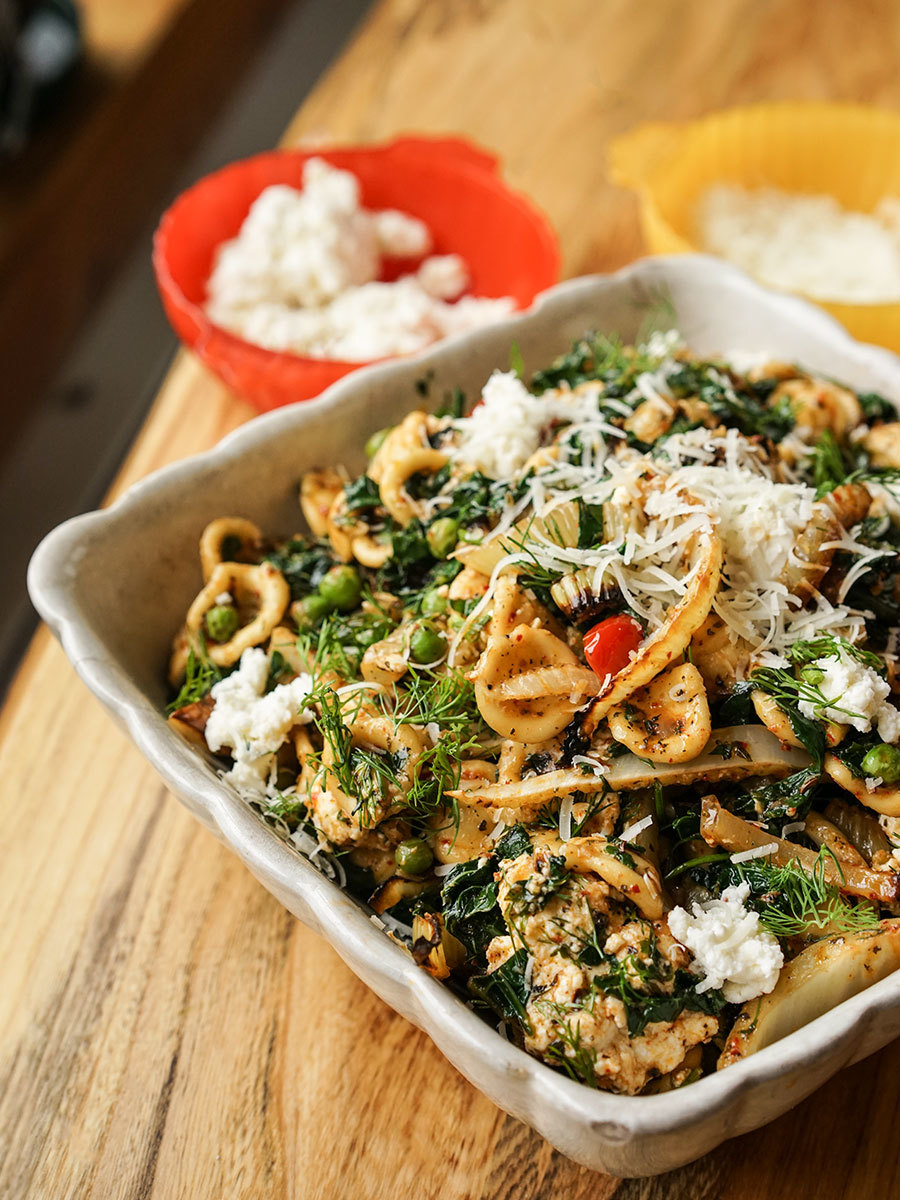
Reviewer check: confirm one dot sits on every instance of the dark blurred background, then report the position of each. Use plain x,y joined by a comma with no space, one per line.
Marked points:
108,108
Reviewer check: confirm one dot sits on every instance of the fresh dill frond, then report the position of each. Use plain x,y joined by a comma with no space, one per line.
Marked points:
831,467
830,645
200,675
827,464
887,477
372,775
573,1056
446,699
342,639
548,814
335,734
791,901
286,811
781,685
788,691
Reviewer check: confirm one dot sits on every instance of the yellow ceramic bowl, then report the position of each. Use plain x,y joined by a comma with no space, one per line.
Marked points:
846,151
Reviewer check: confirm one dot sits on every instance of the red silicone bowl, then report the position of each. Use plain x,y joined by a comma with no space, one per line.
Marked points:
455,188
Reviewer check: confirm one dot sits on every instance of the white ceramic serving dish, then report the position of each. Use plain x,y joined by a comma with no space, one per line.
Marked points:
114,585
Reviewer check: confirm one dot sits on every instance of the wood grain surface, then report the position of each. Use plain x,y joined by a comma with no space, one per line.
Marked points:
166,1029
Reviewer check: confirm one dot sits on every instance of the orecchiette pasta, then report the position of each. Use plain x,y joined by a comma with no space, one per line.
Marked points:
673,637
318,492
526,649
588,696
260,591
235,534
394,476
667,721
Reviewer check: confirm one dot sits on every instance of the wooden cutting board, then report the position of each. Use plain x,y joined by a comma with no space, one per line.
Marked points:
167,1030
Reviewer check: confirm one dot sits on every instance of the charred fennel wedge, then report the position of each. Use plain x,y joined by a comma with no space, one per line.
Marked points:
818,979
732,753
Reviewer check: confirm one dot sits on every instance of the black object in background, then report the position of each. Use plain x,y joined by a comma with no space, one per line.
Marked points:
40,45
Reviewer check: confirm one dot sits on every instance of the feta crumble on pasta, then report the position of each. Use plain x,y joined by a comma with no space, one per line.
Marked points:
730,950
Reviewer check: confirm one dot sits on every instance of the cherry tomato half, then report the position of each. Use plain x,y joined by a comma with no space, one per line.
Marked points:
608,645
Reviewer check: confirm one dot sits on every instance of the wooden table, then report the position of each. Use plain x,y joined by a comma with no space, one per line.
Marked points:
167,1029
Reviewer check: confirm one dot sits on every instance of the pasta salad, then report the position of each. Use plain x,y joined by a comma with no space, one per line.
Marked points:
588,692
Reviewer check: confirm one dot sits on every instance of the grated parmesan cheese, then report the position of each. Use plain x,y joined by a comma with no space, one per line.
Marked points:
565,817
807,244
793,827
755,852
632,831
706,480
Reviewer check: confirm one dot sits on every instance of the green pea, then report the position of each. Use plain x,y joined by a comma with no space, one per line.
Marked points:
341,587
426,645
310,611
883,762
442,536
376,441
813,675
413,856
222,621
433,602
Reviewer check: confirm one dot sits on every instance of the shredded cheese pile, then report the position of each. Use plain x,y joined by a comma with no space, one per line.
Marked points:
702,480
807,244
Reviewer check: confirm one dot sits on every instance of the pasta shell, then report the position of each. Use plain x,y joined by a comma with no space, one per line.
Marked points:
525,649
668,721
884,799
217,533
670,640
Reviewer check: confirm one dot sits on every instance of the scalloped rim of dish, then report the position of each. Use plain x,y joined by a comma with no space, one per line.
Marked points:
616,1124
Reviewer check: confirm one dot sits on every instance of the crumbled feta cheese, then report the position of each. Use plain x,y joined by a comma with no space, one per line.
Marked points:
401,235
301,276
730,951
444,276
888,721
858,695
252,725
297,248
